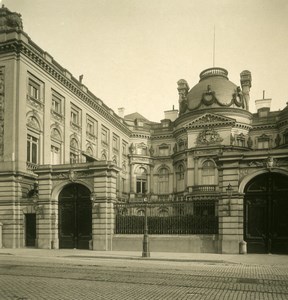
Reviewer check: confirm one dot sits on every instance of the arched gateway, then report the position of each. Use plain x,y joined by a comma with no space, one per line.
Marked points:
266,214
75,217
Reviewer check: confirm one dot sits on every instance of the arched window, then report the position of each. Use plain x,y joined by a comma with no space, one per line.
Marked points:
74,151
163,181
180,172
180,178
33,140
55,146
141,181
208,173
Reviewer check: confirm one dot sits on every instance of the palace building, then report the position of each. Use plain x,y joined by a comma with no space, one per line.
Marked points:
210,177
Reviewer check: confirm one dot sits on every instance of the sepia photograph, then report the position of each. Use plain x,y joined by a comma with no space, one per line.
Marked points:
143,149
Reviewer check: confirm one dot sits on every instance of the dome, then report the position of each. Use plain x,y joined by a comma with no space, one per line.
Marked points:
213,90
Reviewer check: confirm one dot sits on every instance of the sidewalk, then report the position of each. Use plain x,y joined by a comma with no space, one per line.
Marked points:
251,259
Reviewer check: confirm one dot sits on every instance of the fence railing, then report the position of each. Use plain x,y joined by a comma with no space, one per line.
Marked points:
195,217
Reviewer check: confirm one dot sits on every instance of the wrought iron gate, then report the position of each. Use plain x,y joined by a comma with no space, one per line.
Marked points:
266,211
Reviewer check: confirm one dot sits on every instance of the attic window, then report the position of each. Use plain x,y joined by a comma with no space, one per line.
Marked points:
137,122
263,112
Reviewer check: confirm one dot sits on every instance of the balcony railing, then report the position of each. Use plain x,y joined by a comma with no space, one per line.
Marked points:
204,188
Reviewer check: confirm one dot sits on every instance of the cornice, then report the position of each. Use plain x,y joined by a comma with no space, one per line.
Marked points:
140,135
264,126
57,72
163,136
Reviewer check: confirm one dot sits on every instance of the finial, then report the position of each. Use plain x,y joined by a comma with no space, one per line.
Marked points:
214,47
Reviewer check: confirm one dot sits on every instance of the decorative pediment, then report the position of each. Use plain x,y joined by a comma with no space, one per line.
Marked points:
210,120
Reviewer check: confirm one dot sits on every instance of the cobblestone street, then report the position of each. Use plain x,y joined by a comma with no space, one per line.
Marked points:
88,277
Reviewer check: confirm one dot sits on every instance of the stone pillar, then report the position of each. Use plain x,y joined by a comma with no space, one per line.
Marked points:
1,227
103,210
190,178
132,188
231,222
196,171
46,212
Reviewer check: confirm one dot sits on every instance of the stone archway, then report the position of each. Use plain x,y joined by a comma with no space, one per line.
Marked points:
265,213
75,217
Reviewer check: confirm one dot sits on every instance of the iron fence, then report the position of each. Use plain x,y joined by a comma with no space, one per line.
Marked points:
195,217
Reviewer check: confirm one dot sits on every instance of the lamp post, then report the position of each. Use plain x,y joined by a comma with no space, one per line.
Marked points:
229,191
145,252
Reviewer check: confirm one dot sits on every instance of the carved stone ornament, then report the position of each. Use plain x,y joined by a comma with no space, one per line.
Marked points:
72,175
10,20
208,97
33,123
208,136
238,98
132,148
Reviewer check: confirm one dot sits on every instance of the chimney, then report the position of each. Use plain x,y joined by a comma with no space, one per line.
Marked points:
171,115
263,106
121,111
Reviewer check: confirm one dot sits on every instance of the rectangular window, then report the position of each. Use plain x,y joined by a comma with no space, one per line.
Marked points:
124,148
56,104
105,135
163,151
263,144
240,142
91,126
34,90
115,142
75,115
55,155
141,186
74,158
32,149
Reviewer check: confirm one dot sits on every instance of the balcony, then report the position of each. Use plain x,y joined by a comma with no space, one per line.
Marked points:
204,188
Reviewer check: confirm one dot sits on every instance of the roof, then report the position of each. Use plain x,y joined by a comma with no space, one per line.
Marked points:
137,116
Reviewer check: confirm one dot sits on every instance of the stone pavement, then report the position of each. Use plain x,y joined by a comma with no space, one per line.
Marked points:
40,274
250,259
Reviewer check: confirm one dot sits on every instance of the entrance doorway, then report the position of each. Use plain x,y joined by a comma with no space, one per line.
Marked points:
75,217
266,214
30,230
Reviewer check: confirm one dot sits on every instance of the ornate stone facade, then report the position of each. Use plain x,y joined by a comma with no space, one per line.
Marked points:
59,143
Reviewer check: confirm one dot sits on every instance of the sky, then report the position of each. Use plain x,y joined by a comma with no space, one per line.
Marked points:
132,52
